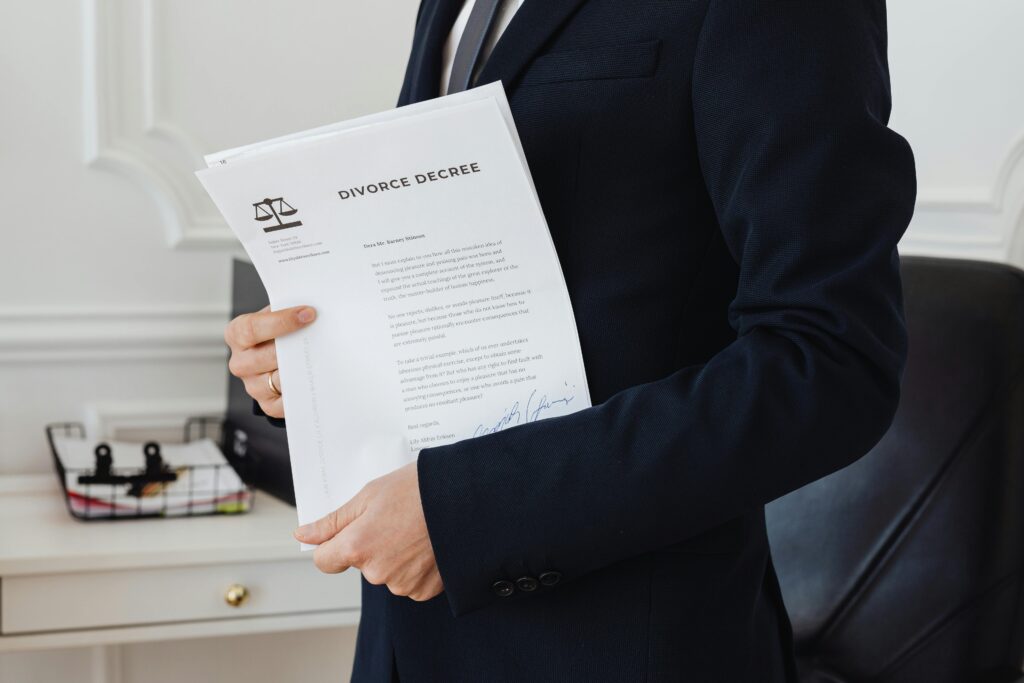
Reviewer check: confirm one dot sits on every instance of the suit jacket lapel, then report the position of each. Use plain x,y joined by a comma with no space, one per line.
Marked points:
529,30
424,77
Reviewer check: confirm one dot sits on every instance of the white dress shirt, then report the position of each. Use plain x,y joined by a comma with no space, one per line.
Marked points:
501,21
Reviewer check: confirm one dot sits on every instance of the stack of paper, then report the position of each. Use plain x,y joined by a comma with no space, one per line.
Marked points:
205,481
443,314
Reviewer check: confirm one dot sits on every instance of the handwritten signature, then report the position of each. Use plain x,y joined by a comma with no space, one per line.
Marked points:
533,411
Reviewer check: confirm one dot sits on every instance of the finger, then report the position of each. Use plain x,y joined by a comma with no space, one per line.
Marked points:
328,526
259,359
258,387
250,329
333,557
273,407
430,587
374,576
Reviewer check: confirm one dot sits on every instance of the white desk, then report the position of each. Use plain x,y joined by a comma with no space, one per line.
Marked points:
67,583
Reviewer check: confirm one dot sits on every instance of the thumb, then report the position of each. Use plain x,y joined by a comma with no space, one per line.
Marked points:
328,526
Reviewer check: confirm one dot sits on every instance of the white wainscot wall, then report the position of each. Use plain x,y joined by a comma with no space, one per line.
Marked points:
956,74
115,266
114,269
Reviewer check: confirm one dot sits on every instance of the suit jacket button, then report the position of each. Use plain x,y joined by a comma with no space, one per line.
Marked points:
527,584
550,578
503,588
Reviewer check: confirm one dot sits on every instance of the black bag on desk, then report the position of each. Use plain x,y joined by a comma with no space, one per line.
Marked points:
257,449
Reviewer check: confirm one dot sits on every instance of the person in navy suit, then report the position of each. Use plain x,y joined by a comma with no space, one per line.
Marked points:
726,199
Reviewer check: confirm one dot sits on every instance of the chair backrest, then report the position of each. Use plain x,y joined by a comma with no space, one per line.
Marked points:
907,565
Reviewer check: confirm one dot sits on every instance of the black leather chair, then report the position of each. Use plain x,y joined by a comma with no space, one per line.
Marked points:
906,567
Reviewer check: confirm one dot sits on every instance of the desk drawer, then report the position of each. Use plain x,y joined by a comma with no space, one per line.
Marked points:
58,602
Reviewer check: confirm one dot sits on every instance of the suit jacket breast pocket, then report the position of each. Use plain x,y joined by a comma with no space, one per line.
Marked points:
632,60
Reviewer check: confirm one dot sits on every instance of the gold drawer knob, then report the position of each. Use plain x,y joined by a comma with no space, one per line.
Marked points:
236,595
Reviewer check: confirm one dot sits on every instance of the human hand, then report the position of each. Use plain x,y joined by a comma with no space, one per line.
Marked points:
382,532
254,354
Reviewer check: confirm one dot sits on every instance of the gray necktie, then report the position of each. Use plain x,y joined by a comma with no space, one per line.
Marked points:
480,23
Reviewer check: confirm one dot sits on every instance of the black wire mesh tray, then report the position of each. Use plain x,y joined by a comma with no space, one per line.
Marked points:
108,491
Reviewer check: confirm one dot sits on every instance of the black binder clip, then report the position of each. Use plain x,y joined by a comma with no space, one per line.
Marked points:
156,471
102,473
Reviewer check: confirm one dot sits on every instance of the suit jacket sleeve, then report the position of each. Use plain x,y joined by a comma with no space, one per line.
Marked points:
812,192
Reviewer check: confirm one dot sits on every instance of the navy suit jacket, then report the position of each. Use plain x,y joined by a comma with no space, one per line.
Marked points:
726,200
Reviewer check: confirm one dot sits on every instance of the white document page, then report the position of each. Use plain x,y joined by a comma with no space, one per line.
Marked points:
442,310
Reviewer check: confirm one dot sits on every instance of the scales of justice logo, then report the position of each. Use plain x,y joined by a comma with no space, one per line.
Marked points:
275,208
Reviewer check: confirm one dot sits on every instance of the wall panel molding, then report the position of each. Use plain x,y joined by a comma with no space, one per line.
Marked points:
974,222
990,200
111,333
105,663
156,418
123,129
126,132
